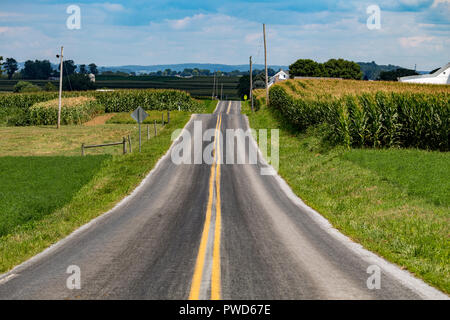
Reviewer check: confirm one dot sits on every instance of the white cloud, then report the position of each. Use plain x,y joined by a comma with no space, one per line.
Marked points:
185,22
405,38
437,2
414,42
113,7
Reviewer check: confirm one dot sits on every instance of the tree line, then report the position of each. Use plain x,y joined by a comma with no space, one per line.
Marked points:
187,72
42,69
333,68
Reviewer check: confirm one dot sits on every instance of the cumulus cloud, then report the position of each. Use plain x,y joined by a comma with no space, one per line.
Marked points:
414,42
437,2
224,33
185,22
113,7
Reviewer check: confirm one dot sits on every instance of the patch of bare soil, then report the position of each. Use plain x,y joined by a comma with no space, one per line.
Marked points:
99,120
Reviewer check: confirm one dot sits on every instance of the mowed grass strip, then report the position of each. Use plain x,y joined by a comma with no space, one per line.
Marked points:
117,177
49,141
394,202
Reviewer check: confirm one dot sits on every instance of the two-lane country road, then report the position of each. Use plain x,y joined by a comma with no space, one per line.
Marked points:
210,231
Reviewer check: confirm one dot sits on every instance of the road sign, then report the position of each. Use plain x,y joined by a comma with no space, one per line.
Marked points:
139,115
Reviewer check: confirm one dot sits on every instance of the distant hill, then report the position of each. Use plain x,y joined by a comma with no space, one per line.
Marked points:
180,67
371,70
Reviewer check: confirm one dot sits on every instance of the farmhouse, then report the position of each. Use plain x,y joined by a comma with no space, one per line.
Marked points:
279,76
440,76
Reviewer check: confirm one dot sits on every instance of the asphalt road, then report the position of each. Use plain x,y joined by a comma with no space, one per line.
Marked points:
210,231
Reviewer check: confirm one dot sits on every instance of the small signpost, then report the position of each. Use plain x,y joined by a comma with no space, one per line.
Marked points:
139,115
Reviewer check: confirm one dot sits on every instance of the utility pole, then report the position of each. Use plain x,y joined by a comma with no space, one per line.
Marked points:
214,85
60,86
265,62
251,82
221,91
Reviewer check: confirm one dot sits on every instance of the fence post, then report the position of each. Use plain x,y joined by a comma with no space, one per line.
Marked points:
162,118
82,149
129,144
148,132
168,116
124,146
155,128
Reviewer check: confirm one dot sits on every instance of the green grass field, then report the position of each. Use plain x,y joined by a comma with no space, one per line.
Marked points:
395,202
45,198
33,187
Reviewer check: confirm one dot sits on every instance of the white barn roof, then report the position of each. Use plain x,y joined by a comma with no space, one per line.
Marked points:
440,76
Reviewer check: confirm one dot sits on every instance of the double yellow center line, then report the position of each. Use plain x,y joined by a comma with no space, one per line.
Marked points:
201,257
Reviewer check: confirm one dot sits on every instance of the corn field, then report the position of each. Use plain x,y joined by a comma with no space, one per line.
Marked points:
362,114
29,108
75,110
128,100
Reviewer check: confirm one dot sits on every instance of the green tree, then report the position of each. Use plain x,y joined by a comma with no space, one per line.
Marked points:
69,67
271,72
10,67
244,86
25,86
340,68
305,68
93,68
394,74
78,82
37,69
49,87
83,69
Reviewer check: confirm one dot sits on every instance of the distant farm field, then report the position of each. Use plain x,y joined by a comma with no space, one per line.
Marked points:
196,86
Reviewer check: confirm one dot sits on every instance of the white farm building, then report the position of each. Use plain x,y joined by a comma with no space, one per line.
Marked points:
279,76
440,76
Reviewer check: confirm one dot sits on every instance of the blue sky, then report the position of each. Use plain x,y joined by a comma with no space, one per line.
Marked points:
165,32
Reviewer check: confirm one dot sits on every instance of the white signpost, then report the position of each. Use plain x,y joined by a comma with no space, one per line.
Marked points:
139,115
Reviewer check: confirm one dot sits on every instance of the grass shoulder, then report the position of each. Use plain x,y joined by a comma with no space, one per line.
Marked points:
395,202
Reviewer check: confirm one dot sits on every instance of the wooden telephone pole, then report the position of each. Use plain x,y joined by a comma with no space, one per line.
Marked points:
60,87
265,63
251,82
214,86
